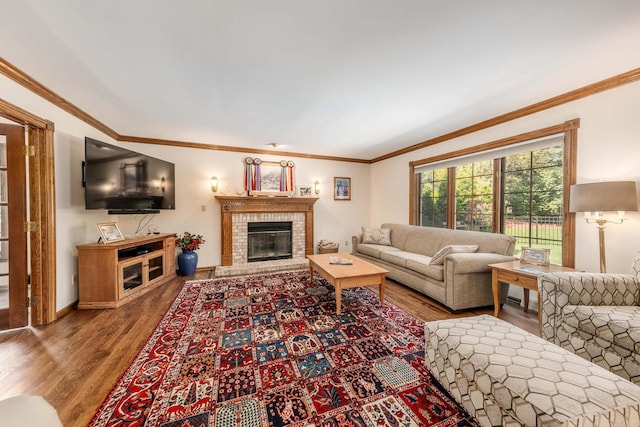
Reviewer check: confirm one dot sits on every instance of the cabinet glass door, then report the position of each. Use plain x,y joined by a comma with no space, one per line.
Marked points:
131,276
156,267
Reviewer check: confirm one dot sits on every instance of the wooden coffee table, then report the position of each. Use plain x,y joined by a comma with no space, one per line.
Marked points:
361,273
523,275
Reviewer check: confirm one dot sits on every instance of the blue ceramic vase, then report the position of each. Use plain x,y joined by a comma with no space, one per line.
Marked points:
187,262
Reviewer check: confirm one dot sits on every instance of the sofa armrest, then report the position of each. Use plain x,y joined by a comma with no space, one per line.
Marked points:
477,262
355,240
558,290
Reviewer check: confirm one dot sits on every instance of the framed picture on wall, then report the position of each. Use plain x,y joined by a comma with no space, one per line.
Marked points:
341,188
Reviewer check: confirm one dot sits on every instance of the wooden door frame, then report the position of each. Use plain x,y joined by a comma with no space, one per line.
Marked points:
42,211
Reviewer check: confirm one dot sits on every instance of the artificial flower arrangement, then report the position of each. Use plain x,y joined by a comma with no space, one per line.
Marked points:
189,242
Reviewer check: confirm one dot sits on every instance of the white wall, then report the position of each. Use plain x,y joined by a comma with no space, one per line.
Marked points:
608,149
334,220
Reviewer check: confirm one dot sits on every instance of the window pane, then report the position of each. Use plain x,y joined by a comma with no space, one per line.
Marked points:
483,168
483,184
551,156
547,178
3,186
464,171
517,181
440,174
4,222
474,196
3,151
4,256
518,162
463,186
533,200
433,199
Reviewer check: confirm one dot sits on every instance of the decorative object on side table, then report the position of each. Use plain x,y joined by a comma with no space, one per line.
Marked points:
188,259
537,256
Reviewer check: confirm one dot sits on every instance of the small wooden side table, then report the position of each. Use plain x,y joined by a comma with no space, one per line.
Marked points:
523,275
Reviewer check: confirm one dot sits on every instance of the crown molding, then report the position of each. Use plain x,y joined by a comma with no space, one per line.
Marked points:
583,92
203,146
39,89
25,80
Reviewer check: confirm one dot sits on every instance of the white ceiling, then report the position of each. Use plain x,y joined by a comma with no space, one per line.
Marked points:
347,78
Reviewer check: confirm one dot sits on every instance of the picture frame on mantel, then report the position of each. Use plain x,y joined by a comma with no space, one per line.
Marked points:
304,191
270,174
341,188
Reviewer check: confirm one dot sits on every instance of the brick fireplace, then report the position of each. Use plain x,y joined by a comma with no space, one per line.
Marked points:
238,212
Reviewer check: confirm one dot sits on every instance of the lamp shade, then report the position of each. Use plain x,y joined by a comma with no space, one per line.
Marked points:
603,197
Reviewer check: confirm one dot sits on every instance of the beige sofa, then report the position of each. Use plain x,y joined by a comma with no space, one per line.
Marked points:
462,281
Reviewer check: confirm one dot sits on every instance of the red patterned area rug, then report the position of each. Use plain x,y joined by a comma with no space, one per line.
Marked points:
269,350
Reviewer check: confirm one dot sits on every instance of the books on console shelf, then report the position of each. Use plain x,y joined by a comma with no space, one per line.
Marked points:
340,261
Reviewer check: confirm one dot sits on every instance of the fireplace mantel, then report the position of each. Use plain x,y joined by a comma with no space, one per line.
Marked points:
242,204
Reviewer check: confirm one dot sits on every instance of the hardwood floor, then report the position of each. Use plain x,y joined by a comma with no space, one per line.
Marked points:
75,361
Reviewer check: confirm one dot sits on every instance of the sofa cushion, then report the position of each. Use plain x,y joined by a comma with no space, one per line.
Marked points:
425,240
398,258
375,250
438,257
376,236
487,242
619,325
416,262
436,272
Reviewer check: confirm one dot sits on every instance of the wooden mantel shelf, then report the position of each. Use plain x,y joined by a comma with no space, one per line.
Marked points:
266,204
242,204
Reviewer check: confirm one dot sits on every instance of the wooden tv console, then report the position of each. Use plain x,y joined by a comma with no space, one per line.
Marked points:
113,274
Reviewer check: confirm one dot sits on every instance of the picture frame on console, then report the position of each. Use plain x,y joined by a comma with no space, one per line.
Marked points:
341,188
537,256
109,232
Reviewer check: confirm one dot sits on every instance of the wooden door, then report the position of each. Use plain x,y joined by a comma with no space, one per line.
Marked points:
13,236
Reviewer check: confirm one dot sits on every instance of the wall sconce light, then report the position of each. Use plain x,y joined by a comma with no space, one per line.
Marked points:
162,183
316,187
214,184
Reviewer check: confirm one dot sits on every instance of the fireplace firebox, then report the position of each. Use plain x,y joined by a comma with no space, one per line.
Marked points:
269,241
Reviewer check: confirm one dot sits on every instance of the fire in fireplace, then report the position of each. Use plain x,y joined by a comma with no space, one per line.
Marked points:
268,241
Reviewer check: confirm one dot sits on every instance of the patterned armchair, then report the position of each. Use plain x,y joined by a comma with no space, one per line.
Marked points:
595,315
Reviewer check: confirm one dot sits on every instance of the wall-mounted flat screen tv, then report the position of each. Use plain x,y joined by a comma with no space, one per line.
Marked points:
122,181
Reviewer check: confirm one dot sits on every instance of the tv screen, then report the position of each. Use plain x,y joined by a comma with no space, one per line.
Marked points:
124,181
